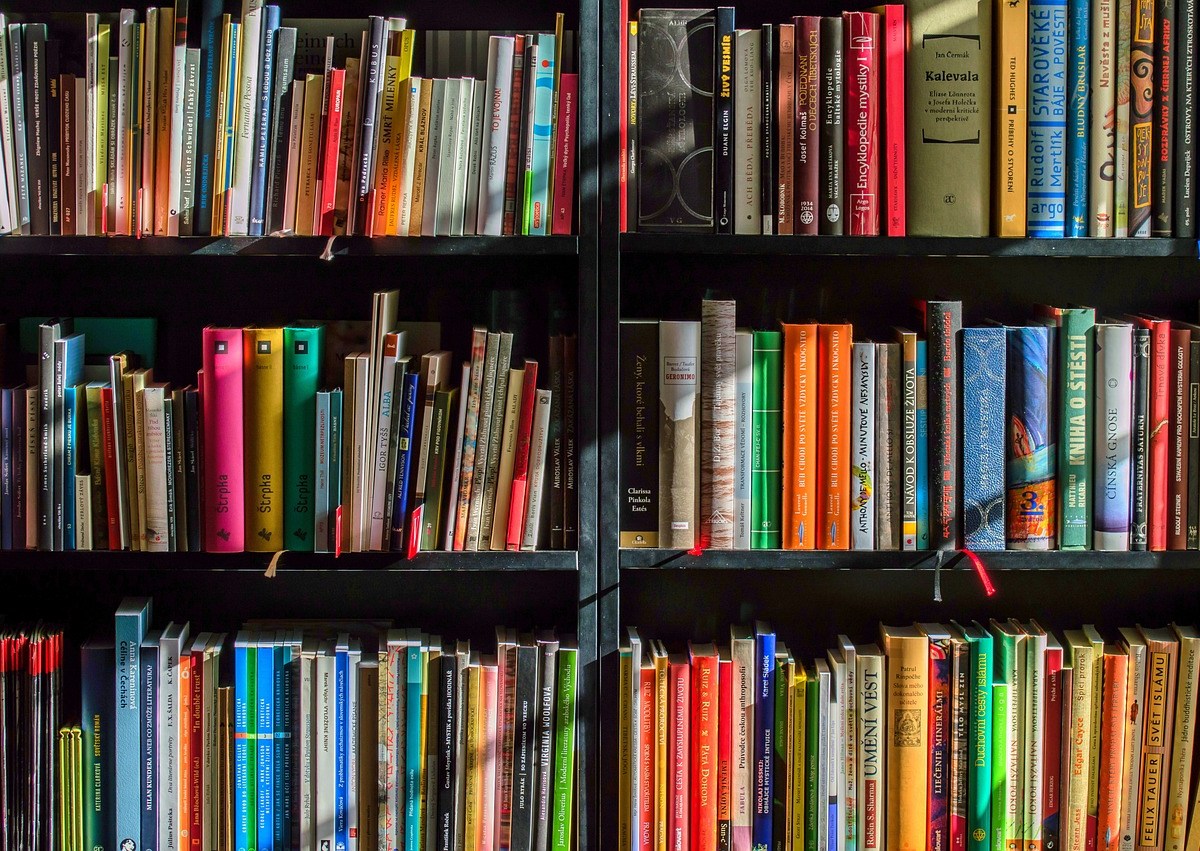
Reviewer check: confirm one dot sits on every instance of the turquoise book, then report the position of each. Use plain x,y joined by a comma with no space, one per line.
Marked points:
245,724
302,350
537,178
979,738
1077,341
71,402
922,446
1078,101
335,464
130,623
265,702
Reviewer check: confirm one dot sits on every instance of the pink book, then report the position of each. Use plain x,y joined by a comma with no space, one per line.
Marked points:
520,482
224,531
333,136
491,716
893,34
862,121
564,178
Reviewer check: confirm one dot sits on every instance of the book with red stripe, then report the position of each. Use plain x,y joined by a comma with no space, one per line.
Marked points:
520,479
329,149
724,750
647,787
224,529
704,662
861,121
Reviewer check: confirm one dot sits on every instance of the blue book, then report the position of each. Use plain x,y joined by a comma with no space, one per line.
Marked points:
922,446
341,724
414,660
97,676
537,179
262,142
287,649
210,68
130,622
149,663
408,419
984,353
265,702
1079,97
1046,158
245,657
764,735
70,463
6,469
68,371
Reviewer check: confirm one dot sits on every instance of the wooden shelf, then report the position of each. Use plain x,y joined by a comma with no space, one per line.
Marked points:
655,559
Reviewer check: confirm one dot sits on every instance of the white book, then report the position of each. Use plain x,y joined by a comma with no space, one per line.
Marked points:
851,748
92,177
1135,646
862,454
360,524
170,648
83,511
9,199
1034,731
488,421
462,153
871,771
382,447
1103,64
493,174
537,470
437,103
1188,680
479,113
631,730
408,156
826,741
743,367
249,80
456,467
742,652
126,101
295,130
147,104
747,133
82,145
325,747
1113,436
154,445
178,106
447,157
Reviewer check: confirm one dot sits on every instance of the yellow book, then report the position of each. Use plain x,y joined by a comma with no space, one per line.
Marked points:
62,795
135,455
77,791
1094,751
262,403
1011,61
387,132
99,150
475,745
417,217
430,650
661,812
1185,736
403,109
223,95
789,734
626,747
907,652
796,764
1082,660
306,193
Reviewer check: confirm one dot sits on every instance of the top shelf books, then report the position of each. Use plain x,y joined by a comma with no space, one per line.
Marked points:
132,124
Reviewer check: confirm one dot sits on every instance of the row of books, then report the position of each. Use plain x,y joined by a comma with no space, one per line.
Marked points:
964,737
1064,433
120,124
256,456
289,736
950,118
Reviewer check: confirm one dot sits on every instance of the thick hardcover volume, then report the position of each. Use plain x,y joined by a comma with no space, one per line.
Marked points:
302,350
1114,398
766,199
1162,653
1102,132
675,122
908,438
862,447
1180,789
799,436
785,124
262,388
723,121
765,721
1180,355
1162,204
130,623
948,72
1077,340
766,477
983,438
943,327
834,349
805,159
1078,102
907,737
1141,440
1143,82
1047,74
679,359
1013,46
747,132
224,527
718,422
744,381
1032,454
678,741
830,154
703,746
639,434
863,59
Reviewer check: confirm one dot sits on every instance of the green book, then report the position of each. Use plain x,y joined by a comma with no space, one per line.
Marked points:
564,746
302,350
999,781
979,738
1008,735
766,476
1076,370
440,452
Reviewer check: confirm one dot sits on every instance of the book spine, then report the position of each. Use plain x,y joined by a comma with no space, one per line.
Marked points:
1078,103
1180,354
148,740
908,754
862,440
799,436
1112,738
944,329
831,133
785,120
1123,97
490,218
939,745
326,213
1047,118
1031,456
518,500
1078,747
770,164
1185,130
1101,133
36,127
1140,433
130,629
979,798
764,737
743,465
894,33
537,203
97,675
861,90
960,711
408,418
908,440
470,439
834,353
747,132
717,423
807,116
679,359
1114,395
765,478
1162,206
1003,822
702,777
1156,744
302,351
1009,185
1132,769
1076,371
564,750
1143,82
280,112
1193,441
1179,791
1052,751
723,122
223,440
262,384
530,535
983,472
263,117
192,471
563,201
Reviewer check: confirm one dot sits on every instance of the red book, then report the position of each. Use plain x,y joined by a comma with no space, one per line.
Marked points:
806,165
647,787
861,82
1052,749
112,495
515,114
678,738
185,750
703,658
333,136
563,209
894,35
1177,507
724,752
520,482
785,112
1160,415
195,731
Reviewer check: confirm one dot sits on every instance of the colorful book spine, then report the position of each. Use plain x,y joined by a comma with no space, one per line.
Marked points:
1162,204
262,400
724,758
723,173
782,112
1114,408
939,741
862,443
1140,460
799,436
130,623
943,326
979,798
1031,455
224,527
302,351
766,478
908,439
264,711
862,59
717,423
537,177
1052,747
1013,46
1112,743
703,757
894,32
805,160
831,205
764,736
983,366
561,834
1078,103
1122,96
1102,132
907,736
922,426
1143,82
834,354
245,755
1076,371
149,740
678,741
744,464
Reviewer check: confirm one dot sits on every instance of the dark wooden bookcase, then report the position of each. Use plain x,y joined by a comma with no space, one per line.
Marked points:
812,597
187,283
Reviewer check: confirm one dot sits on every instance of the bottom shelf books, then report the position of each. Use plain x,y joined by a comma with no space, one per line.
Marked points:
291,735
964,737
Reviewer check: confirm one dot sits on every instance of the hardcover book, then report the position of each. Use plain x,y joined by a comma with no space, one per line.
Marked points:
907,736
747,132
833,482
863,59
806,161
717,423
1076,371
263,468
862,443
888,413
1013,48
831,134
1143,83
1113,422
1101,133
723,120
223,440
679,355
799,436
766,477
943,328
983,438
1078,104
1032,454
302,351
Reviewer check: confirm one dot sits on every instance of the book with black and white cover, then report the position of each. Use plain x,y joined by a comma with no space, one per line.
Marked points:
524,751
490,218
747,132
433,146
537,471
249,74
374,50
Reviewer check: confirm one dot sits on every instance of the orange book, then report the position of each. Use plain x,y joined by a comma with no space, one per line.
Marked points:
833,430
185,749
1112,748
647,788
799,436
703,658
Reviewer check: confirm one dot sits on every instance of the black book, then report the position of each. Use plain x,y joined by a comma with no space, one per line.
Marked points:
943,329
547,665
570,488
281,96
369,93
675,120
16,53
524,747
1193,439
1185,123
54,154
36,130
830,214
638,465
20,499
447,757
524,144
1140,458
723,122
1162,204
555,494
191,466
206,131
770,179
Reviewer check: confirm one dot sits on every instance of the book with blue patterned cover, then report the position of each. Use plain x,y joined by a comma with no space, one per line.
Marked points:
983,437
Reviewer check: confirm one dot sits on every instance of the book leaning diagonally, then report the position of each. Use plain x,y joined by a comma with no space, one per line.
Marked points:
247,110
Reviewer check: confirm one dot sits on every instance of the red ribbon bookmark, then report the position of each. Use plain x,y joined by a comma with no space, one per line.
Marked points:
981,571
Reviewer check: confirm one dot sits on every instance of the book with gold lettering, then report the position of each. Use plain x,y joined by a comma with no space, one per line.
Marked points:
1162,656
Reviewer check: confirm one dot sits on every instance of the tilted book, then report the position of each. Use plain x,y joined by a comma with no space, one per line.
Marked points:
717,423
983,443
679,359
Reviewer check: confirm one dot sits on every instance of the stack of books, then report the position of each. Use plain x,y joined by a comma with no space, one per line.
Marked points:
165,125
1039,118
1066,433
968,736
